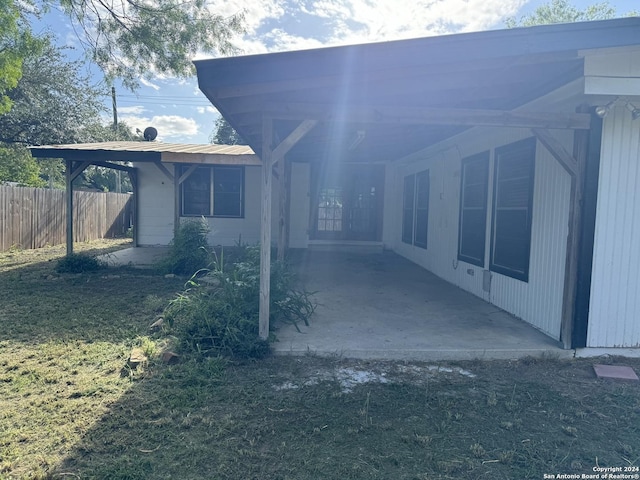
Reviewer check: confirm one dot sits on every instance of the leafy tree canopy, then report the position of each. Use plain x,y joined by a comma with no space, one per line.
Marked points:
224,134
16,42
131,39
561,11
54,103
17,165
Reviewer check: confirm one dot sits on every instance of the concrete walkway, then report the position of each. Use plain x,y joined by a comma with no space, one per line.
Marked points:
383,306
142,257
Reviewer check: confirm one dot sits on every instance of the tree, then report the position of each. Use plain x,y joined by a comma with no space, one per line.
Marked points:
138,38
52,103
560,11
15,43
17,165
224,134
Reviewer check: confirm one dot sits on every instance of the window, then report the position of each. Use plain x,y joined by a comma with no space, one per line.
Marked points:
473,209
407,208
415,209
512,209
213,191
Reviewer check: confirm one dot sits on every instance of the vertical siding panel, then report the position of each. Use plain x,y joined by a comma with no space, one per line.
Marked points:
615,286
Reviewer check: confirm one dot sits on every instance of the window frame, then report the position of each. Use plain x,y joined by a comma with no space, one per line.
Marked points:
523,151
484,159
411,209
408,230
211,169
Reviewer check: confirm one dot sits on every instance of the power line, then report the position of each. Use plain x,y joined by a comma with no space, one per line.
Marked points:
174,100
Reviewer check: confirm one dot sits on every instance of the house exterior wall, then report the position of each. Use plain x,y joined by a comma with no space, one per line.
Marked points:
614,313
156,207
612,71
538,301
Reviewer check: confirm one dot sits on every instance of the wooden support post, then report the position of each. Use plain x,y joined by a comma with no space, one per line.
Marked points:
282,221
580,148
69,191
265,228
287,204
133,176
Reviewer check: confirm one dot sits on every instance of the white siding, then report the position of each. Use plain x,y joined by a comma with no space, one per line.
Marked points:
614,316
538,301
612,72
156,204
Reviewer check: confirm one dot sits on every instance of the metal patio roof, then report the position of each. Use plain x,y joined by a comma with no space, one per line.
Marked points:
150,151
493,70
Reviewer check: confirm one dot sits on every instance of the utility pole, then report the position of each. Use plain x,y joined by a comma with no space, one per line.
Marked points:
115,108
115,129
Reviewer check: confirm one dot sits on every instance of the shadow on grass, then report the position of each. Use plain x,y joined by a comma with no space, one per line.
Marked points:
113,304
292,418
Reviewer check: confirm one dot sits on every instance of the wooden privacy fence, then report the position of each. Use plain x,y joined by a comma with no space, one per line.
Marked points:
35,217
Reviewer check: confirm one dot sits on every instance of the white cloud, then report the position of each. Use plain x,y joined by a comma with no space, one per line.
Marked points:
133,110
168,126
276,26
210,109
283,41
150,84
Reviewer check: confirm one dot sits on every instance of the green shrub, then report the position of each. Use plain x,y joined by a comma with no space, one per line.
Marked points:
218,313
189,250
79,263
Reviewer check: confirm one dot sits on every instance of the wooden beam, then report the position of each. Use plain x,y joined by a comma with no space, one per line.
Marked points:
429,116
555,148
285,199
186,174
164,170
294,137
68,174
212,159
282,204
265,228
114,166
580,150
281,171
79,169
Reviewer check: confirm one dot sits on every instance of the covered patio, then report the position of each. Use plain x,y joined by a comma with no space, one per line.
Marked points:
382,306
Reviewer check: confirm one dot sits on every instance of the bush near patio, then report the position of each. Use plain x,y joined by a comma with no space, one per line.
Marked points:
217,313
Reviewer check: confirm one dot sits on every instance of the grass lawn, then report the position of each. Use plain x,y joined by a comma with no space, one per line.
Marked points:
69,407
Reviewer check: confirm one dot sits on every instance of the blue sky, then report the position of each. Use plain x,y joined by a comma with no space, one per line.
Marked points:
182,114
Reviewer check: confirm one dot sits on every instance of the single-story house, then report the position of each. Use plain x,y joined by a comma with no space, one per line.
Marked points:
506,162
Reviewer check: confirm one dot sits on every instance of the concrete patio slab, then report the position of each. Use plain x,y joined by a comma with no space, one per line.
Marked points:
385,307
135,256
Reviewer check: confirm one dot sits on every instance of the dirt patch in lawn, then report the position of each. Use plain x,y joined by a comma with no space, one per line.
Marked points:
68,409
